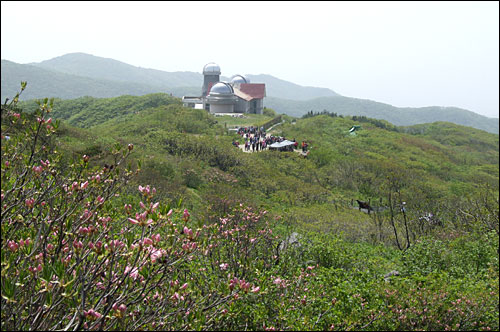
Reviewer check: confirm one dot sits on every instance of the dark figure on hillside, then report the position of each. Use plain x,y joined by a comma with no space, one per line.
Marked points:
364,205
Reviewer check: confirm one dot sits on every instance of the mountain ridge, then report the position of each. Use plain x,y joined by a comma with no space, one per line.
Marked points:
79,74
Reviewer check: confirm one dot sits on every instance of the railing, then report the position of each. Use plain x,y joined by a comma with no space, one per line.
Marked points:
272,122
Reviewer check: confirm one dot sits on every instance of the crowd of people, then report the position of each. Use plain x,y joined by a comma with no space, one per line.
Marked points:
256,139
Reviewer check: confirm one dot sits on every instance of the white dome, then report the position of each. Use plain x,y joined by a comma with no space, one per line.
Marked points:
211,69
221,88
238,79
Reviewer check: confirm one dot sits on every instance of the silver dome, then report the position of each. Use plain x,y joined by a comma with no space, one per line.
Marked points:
238,79
211,69
221,88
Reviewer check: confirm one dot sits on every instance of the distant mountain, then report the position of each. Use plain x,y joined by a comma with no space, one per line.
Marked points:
87,65
48,83
399,116
78,74
276,87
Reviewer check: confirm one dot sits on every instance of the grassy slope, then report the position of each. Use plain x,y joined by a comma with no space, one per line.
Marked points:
313,194
442,160
398,116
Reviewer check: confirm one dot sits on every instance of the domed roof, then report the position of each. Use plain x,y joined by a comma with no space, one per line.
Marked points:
211,69
238,79
221,88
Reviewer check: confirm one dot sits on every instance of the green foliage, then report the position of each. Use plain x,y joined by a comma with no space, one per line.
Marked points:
268,240
407,116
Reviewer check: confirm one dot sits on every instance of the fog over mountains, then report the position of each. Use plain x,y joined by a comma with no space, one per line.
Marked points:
78,74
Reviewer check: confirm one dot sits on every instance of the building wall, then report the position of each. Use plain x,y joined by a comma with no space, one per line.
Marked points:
256,106
207,79
241,106
224,108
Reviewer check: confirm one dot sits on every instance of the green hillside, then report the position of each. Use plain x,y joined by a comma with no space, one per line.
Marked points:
78,74
146,217
87,65
47,83
399,116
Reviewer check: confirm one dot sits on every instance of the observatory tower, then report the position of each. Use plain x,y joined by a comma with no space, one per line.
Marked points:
211,75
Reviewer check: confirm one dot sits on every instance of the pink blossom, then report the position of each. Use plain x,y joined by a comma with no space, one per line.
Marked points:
134,273
188,232
77,244
122,307
13,246
224,266
232,283
170,212
255,289
184,286
244,285
30,202
37,169
83,230
133,221
147,241
85,185
156,255
186,215
146,190
92,314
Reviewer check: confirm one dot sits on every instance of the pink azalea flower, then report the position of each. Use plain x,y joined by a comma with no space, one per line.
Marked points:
188,232
13,246
156,237
92,314
133,221
37,169
30,202
186,215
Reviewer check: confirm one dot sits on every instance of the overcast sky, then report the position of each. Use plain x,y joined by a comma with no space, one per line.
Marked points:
407,54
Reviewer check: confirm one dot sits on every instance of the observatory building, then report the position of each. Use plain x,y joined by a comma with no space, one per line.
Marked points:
237,96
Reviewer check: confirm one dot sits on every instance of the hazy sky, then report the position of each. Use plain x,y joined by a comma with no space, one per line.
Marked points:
402,53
